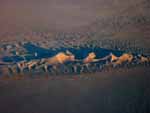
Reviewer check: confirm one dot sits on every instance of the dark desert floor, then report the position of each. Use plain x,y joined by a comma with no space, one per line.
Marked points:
111,92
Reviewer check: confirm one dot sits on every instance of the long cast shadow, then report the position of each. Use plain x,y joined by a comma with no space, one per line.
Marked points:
80,53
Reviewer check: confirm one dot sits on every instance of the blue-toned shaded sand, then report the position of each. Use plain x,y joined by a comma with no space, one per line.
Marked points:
79,53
